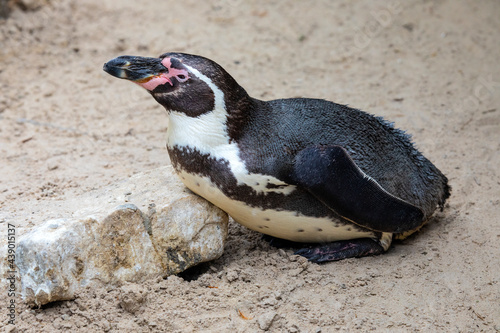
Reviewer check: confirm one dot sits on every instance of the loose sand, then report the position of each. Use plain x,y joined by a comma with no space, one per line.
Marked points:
431,66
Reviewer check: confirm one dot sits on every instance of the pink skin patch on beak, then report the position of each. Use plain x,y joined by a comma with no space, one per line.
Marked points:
152,82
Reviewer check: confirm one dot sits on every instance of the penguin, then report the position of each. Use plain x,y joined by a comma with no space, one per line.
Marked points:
336,179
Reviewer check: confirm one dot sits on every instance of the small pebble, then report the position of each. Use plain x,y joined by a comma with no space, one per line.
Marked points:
266,320
231,275
52,166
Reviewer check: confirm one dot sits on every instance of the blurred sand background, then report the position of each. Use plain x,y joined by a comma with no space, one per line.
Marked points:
432,67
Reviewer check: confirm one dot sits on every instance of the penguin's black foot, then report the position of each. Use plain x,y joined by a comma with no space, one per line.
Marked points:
341,250
333,251
281,243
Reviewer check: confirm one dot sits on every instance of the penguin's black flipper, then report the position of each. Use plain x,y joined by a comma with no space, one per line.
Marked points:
329,173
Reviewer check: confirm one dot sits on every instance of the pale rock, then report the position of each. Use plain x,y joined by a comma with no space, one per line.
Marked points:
266,320
163,230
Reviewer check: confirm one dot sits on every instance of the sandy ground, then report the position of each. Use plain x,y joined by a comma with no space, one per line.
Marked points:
431,66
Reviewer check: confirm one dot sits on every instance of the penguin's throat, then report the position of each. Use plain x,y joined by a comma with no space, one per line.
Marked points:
205,133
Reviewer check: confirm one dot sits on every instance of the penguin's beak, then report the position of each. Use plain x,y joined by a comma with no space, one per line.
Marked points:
137,69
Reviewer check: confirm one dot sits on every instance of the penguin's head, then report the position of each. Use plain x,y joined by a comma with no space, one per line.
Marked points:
180,82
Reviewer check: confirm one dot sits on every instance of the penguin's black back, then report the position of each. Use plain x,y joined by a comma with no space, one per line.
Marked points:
277,130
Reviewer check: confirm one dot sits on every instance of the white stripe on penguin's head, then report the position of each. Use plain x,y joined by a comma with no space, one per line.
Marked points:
205,132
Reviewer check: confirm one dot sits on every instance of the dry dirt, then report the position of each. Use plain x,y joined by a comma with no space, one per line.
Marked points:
431,66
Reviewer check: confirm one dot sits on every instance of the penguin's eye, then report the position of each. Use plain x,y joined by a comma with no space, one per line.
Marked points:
182,78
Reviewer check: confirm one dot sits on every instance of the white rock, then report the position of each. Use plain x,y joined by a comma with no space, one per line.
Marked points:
164,230
266,320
